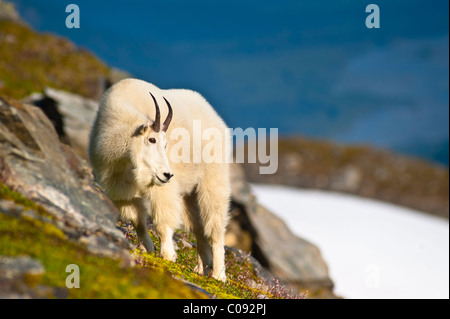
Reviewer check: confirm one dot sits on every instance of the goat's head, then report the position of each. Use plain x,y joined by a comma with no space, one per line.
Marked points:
151,152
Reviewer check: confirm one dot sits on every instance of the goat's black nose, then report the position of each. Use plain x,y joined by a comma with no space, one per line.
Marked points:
168,176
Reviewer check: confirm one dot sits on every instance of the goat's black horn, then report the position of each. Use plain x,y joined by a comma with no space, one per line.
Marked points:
156,125
168,118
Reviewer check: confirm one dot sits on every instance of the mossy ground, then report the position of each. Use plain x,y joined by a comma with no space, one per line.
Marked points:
242,280
100,277
30,61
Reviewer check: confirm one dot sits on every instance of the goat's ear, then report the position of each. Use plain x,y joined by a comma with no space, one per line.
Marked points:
141,129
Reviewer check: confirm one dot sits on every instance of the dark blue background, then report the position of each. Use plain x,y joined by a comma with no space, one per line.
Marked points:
307,67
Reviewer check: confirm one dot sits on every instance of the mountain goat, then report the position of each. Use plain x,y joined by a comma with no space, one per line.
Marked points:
129,148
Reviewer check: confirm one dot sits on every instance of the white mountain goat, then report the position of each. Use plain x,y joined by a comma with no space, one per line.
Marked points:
129,148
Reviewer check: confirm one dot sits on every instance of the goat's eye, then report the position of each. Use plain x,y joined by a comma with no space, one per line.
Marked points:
152,140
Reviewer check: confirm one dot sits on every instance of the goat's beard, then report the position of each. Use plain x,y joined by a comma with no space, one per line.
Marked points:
145,178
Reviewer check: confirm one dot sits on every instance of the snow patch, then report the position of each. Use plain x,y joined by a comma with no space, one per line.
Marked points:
373,249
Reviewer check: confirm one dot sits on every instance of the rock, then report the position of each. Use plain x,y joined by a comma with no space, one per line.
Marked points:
71,115
19,278
34,163
9,12
78,115
195,287
347,180
240,257
290,258
293,164
14,267
359,170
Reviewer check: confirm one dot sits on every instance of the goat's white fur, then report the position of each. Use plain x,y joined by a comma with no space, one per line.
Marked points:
128,166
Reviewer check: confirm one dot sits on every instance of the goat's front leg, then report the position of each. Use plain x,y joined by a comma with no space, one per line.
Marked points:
144,237
166,212
165,234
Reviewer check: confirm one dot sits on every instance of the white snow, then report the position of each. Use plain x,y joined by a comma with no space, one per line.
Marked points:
373,249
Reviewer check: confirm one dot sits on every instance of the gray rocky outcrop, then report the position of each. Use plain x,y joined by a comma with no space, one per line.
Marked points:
9,12
292,259
19,278
34,163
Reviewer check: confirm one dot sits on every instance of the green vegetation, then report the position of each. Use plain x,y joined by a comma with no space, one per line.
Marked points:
99,277
8,194
102,277
30,61
240,272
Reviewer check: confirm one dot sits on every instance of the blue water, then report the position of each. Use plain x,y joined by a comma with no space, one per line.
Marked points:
306,67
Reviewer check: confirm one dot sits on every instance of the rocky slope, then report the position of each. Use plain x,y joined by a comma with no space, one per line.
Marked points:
51,215
293,260
30,61
34,163
48,191
48,198
359,170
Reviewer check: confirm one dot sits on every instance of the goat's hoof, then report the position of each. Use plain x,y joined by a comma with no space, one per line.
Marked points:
148,248
221,277
169,256
199,269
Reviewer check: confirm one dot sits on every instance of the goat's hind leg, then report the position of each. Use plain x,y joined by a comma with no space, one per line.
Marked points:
214,215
